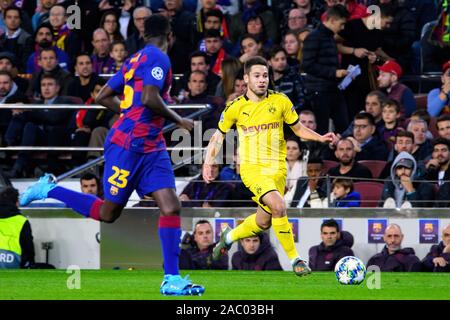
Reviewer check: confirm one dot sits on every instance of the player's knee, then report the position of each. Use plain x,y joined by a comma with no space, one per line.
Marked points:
265,224
170,209
278,209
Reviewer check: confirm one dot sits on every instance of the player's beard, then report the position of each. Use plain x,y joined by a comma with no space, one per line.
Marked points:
347,162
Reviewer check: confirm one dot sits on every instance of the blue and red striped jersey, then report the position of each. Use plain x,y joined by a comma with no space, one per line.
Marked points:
138,128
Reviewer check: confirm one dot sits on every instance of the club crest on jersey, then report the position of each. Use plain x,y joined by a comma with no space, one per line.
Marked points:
113,190
272,109
157,73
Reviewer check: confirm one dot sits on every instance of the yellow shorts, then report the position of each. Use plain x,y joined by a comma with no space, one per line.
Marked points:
260,180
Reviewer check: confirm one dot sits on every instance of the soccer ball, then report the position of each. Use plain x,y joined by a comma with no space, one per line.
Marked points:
350,270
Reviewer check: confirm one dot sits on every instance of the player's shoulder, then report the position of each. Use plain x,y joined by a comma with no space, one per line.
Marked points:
235,103
272,94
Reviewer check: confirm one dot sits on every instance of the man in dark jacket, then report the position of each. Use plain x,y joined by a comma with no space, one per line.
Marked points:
335,245
308,191
255,253
197,249
394,258
372,147
321,64
438,259
48,127
16,239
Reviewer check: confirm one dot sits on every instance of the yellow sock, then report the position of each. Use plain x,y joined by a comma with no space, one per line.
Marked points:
283,231
246,229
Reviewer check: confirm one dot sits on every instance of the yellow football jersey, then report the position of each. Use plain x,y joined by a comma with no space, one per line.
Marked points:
260,128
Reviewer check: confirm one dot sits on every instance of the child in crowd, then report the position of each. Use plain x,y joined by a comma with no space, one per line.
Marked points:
344,196
119,54
391,115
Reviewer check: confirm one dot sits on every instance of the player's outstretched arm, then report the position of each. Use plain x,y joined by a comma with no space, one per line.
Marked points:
214,145
308,134
107,97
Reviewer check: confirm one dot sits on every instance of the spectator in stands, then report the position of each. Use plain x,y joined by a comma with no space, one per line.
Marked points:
404,141
388,81
344,194
321,64
438,165
309,192
9,93
250,47
312,149
296,19
335,245
312,9
438,101
48,62
101,60
296,164
438,258
8,63
255,253
250,8
348,167
85,121
110,23
65,39
391,126
196,249
291,44
17,248
373,105
43,39
214,50
231,66
360,44
394,258
401,191
118,54
422,146
15,39
422,114
184,28
135,42
198,193
356,10
46,127
213,18
372,147
125,13
399,37
286,79
42,16
198,62
442,125
82,85
239,86
255,27
90,183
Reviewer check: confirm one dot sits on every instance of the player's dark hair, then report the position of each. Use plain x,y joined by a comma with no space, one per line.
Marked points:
82,54
9,195
13,7
254,61
365,115
331,223
213,33
337,12
214,13
156,26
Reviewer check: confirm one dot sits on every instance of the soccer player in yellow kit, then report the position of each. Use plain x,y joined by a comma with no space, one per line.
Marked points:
259,116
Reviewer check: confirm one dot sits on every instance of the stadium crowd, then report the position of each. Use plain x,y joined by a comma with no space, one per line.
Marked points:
391,135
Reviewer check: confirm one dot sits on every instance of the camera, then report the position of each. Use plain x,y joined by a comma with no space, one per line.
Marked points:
116,3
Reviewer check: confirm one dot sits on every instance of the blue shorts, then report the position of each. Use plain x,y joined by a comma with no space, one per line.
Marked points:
126,171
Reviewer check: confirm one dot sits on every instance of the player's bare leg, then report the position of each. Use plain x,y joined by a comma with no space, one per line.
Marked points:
283,231
169,230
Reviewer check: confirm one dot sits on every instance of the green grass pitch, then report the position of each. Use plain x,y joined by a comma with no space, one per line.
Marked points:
220,285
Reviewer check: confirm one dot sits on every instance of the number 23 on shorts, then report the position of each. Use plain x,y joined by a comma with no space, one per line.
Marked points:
119,177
